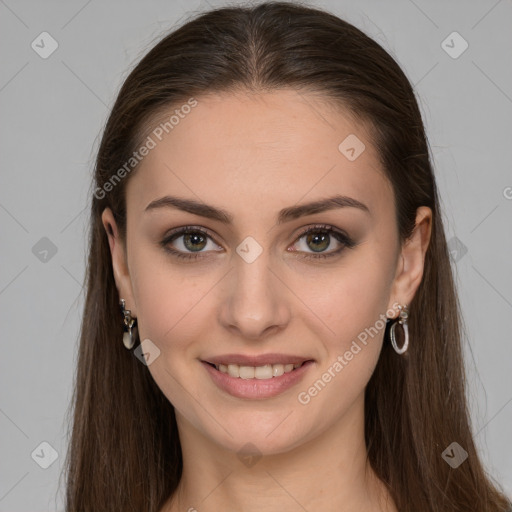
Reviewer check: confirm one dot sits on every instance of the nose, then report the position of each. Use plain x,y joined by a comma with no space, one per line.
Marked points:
256,299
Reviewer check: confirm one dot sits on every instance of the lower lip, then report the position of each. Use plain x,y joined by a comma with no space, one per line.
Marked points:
256,388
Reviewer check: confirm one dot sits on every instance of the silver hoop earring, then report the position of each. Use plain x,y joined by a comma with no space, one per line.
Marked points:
402,320
130,326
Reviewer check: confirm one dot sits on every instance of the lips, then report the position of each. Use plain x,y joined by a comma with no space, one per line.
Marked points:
265,366
261,381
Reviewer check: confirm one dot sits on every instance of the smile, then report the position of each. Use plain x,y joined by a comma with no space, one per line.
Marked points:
259,380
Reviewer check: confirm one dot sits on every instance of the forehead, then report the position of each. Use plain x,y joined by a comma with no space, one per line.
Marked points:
257,149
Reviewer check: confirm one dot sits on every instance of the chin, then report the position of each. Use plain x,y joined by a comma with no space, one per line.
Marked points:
260,437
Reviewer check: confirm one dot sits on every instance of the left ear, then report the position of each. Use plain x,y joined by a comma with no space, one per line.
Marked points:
412,259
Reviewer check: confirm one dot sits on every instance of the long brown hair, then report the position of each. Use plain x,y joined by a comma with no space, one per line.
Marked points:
124,452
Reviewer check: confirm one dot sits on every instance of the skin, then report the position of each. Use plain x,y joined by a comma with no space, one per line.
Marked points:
253,155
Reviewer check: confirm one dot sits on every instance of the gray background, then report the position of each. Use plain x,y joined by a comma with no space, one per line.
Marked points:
53,110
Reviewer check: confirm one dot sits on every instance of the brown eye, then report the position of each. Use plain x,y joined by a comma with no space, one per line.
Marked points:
318,239
189,242
194,241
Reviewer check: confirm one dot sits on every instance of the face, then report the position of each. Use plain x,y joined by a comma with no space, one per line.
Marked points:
260,283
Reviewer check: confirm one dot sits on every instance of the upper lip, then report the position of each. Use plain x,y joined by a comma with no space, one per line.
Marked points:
261,360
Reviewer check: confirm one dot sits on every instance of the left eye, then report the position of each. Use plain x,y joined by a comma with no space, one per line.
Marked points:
319,238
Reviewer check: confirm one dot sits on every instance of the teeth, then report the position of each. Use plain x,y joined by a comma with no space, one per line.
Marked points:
247,372
256,372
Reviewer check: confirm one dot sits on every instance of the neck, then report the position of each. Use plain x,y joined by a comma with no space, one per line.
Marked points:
328,472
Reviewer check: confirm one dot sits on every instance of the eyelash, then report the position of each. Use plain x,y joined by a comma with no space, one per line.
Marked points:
342,238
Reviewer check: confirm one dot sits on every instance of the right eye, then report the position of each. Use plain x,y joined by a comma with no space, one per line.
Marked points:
189,238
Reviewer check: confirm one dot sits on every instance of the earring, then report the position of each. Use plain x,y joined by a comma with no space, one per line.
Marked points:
130,326
402,320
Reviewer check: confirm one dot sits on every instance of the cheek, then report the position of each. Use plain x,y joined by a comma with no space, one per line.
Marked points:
350,306
168,304
171,313
166,292
352,297
353,306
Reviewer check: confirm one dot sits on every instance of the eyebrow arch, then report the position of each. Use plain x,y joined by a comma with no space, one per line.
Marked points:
285,215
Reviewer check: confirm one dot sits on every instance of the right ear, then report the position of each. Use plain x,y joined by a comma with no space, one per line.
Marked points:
119,261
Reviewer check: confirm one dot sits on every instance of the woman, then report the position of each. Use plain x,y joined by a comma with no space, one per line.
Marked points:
265,215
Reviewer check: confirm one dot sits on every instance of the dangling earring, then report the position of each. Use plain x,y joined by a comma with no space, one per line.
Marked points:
402,320
130,326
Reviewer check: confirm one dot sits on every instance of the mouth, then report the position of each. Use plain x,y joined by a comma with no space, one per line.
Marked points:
267,371
257,377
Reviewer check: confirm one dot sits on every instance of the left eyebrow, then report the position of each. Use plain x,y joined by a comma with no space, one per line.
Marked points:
285,215
331,203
